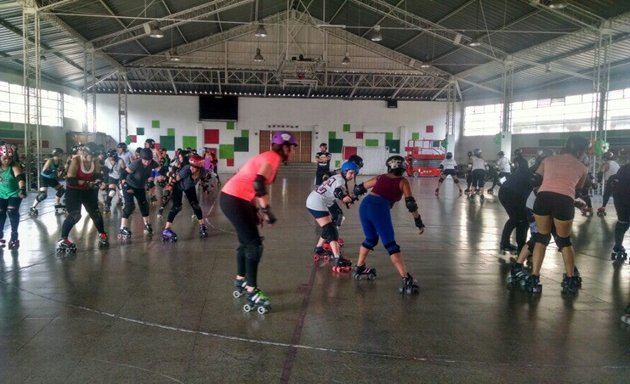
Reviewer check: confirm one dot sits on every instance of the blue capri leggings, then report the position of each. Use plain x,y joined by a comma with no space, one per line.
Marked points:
376,221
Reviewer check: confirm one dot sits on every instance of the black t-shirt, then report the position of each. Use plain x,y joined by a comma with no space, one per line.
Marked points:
321,164
140,174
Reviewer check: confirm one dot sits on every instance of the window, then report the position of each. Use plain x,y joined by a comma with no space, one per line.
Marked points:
482,120
13,107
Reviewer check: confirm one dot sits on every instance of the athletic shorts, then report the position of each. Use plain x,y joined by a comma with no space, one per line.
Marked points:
48,182
449,172
558,206
318,214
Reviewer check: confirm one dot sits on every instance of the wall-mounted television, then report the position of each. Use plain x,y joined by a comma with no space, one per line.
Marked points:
221,108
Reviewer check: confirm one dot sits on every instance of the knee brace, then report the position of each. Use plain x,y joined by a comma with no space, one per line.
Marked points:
253,252
562,242
111,193
369,243
41,196
542,239
60,192
330,233
392,248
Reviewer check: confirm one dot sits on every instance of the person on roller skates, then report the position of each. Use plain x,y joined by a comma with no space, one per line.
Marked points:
449,168
12,191
184,182
82,184
621,193
133,180
318,204
113,167
240,199
49,177
376,220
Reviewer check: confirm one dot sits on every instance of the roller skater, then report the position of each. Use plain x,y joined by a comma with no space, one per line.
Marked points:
169,236
375,214
449,168
51,171
364,272
133,180
65,246
478,175
82,182
240,200
12,191
113,167
608,168
621,194
505,170
124,154
322,158
258,301
318,203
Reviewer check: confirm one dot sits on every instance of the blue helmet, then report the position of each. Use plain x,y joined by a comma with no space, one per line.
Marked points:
349,166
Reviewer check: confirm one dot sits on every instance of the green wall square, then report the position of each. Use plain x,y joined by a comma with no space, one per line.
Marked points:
371,142
230,125
167,142
394,146
170,131
189,141
389,136
415,136
346,127
335,145
155,123
245,133
226,151
337,164
140,131
241,144
332,135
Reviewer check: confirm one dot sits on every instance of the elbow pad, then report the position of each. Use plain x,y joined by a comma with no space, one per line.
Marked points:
72,181
339,193
410,202
359,190
259,186
536,180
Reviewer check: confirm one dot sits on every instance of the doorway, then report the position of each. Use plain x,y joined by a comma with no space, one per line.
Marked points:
301,154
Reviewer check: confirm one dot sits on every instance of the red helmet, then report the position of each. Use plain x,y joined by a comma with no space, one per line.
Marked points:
196,161
6,150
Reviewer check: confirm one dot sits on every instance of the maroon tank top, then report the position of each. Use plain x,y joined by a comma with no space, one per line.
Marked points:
388,188
82,176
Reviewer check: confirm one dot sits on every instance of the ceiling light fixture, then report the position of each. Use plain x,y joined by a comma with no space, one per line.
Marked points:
153,30
557,4
425,64
377,35
258,58
261,31
346,59
474,43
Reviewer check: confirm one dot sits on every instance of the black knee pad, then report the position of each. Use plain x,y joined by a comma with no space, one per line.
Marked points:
392,248
60,192
41,196
562,242
542,239
111,192
254,252
330,233
370,243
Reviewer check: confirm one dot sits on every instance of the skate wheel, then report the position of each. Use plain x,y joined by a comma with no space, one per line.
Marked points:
326,258
371,277
316,258
262,310
237,294
247,308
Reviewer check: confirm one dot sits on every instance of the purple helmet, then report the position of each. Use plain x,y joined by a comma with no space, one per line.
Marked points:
283,137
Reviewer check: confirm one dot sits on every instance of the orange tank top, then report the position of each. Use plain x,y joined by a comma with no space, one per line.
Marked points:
241,185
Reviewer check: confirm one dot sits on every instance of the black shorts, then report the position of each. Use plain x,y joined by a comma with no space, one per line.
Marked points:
48,182
450,172
558,206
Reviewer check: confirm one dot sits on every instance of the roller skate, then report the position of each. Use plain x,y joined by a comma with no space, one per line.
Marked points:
481,198
124,234
437,191
408,285
570,285
60,209
509,249
65,246
532,285
103,240
618,254
153,200
576,275
341,264
33,212
517,277
321,254
361,271
3,242
203,231
328,248
107,210
257,300
148,229
14,243
601,211
587,212
169,236
160,213
239,288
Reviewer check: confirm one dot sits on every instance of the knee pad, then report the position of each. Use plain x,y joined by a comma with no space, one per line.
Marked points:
330,233
74,216
369,243
60,192
562,242
392,248
41,196
111,193
254,252
542,239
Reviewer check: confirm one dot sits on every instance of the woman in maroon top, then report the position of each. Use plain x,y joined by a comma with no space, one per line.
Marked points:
376,219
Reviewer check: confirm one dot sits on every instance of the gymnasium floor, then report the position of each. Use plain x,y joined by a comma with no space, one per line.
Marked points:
154,312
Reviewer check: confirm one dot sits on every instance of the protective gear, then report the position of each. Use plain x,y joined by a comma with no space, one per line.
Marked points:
282,138
357,160
410,203
330,233
500,154
392,248
349,166
111,193
418,222
41,196
562,242
271,218
449,155
477,152
542,239
60,192
395,165
75,149
359,189
146,154
518,152
196,161
536,180
609,155
339,193
151,143
112,153
57,152
470,154
259,186
576,145
6,150
90,149
122,146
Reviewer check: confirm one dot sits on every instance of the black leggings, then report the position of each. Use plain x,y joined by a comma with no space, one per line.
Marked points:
244,217
75,198
140,195
191,195
10,207
478,178
514,204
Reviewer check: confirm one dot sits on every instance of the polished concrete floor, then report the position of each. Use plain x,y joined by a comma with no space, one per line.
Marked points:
154,312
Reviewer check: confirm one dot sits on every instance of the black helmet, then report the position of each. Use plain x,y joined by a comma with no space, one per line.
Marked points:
146,154
518,152
477,152
138,150
500,154
449,155
357,160
576,145
470,153
151,143
57,152
90,148
112,153
75,148
395,165
122,146
609,155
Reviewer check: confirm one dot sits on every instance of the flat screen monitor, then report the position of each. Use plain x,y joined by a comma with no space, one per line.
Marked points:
218,108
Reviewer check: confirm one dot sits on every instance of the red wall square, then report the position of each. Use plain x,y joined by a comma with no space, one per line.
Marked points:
230,162
349,151
359,135
133,138
429,129
211,136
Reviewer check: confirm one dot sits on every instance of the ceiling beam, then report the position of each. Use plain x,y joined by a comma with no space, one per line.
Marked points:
109,10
